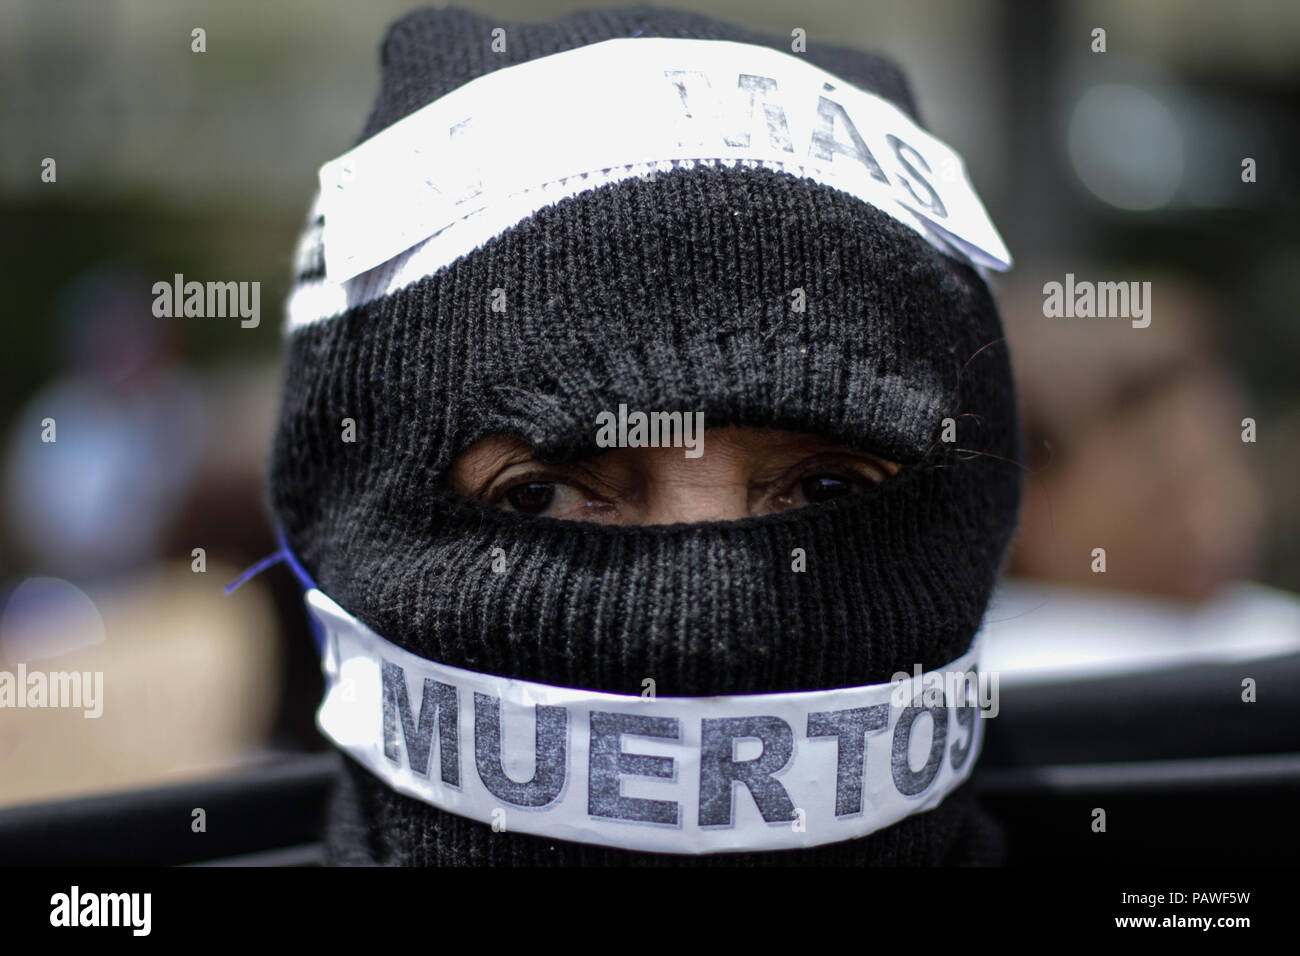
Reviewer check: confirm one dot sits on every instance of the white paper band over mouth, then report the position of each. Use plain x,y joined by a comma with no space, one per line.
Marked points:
447,178
684,775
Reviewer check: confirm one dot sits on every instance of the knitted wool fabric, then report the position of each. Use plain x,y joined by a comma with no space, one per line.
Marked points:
664,294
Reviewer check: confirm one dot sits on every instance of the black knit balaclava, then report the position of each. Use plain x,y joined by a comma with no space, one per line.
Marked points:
671,292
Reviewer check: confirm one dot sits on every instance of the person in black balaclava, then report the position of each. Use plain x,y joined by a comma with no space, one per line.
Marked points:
689,217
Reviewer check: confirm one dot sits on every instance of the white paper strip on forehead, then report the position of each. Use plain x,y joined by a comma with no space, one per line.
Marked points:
683,775
485,156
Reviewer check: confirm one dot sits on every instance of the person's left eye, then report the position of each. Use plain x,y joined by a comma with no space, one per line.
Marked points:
819,488
824,481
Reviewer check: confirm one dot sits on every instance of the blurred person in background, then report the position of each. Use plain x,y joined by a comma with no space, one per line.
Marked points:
1134,447
1134,436
102,455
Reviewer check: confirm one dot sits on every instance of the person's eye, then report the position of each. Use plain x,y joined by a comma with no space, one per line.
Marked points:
818,481
818,488
531,497
552,497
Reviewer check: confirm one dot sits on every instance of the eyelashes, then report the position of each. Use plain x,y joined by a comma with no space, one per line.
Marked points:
855,468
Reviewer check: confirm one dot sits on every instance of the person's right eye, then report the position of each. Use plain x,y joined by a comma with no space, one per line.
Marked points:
531,497
552,497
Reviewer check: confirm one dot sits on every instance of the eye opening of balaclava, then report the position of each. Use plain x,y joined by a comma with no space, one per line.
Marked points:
670,293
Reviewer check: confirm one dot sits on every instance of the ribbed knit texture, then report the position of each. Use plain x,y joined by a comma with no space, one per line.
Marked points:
665,295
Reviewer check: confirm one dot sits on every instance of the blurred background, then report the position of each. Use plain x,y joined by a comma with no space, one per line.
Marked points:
1117,166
